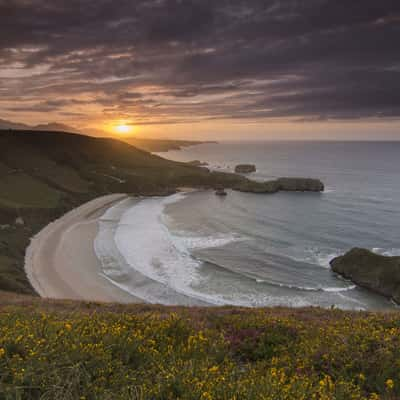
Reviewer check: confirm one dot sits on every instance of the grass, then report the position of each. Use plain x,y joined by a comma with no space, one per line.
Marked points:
12,278
58,350
20,190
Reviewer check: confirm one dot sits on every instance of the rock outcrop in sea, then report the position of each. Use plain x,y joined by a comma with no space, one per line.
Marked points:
245,168
281,184
378,273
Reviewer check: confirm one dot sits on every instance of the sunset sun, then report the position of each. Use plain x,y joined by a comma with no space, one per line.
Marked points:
123,128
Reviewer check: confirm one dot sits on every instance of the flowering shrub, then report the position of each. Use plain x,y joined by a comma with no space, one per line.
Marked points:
210,354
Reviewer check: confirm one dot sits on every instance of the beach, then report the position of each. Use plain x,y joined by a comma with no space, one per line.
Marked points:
60,261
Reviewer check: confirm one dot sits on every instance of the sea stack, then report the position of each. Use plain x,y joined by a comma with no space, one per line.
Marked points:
245,168
378,273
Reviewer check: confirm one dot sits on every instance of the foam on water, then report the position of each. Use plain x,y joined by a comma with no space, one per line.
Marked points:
315,255
148,247
144,245
386,252
118,272
310,289
204,242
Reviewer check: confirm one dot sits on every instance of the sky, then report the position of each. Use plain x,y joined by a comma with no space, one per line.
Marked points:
204,69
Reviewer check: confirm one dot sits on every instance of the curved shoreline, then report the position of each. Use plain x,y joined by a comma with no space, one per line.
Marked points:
60,262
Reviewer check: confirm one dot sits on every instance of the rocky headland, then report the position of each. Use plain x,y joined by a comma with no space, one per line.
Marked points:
378,273
281,184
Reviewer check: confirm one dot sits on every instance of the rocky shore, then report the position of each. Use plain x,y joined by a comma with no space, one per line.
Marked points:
378,273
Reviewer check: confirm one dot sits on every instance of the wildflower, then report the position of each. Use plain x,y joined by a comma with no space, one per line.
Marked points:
214,369
206,396
2,352
390,384
68,326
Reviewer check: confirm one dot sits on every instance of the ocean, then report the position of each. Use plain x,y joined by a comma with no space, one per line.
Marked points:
259,250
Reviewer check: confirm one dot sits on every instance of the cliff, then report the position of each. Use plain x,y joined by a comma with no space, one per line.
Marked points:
378,273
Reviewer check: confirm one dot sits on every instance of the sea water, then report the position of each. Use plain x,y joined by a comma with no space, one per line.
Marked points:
260,250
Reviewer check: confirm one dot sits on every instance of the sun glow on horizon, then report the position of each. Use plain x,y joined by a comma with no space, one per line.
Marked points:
123,129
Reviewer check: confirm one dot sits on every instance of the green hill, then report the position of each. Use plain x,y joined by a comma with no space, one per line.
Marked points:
45,174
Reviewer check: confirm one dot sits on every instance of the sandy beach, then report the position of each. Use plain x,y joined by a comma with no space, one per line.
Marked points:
61,263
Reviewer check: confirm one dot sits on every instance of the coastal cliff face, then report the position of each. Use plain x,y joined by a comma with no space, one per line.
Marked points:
281,184
371,271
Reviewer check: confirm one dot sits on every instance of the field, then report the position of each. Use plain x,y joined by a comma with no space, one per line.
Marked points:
66,350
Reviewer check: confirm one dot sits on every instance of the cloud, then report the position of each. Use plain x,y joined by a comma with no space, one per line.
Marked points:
180,60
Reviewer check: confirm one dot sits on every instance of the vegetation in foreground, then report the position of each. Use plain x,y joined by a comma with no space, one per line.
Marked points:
88,351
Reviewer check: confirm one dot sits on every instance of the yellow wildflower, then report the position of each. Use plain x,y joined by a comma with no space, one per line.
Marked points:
390,384
68,326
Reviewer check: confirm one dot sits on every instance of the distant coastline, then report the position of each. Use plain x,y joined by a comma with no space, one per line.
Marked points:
163,145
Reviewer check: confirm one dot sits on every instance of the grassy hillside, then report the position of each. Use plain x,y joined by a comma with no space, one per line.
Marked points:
67,350
44,174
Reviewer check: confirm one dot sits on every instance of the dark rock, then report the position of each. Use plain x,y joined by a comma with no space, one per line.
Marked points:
220,192
378,273
245,168
300,184
285,184
197,163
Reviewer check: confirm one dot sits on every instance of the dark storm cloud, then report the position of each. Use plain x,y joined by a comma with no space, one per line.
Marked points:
310,59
